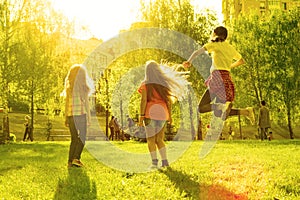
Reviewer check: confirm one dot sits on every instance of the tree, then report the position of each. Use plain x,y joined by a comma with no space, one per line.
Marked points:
41,33
180,15
272,69
31,32
11,12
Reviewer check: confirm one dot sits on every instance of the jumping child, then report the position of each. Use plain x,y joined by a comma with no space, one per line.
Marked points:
220,93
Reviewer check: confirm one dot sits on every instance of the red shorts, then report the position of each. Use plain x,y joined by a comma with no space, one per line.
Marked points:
221,85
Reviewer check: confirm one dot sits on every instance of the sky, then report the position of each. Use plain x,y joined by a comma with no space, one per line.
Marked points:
105,18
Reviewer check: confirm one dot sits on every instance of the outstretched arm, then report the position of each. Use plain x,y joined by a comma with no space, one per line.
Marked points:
193,56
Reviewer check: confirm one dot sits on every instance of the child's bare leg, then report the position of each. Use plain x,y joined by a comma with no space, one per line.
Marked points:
205,103
162,147
161,144
152,147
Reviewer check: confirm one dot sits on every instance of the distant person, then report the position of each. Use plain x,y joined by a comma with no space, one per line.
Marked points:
220,93
264,120
111,126
230,133
157,90
28,129
130,124
208,132
78,86
270,137
117,129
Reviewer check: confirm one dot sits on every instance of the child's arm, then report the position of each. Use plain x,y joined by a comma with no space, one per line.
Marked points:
238,63
170,110
66,110
143,107
88,111
193,56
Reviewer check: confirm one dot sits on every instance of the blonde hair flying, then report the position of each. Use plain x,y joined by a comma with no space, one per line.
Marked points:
163,75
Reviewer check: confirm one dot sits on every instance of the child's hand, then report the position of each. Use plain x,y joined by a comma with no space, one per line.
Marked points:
170,121
141,120
66,123
186,64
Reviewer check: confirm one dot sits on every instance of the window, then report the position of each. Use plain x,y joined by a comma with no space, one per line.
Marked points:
284,6
262,5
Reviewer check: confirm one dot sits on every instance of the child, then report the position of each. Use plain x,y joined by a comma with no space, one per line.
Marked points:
117,129
157,91
78,86
219,83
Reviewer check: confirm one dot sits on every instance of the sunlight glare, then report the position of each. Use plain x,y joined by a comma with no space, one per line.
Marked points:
104,19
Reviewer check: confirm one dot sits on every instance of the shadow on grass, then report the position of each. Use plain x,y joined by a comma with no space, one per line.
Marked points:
194,190
186,185
76,186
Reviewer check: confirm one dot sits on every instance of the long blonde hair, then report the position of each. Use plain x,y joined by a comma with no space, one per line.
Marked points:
167,82
78,81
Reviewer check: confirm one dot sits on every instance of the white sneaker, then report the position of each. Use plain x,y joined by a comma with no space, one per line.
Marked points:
153,167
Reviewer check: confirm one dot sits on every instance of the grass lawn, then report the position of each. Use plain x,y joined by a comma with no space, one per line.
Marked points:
248,169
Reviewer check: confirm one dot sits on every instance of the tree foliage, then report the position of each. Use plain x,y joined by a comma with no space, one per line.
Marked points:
271,51
177,16
31,32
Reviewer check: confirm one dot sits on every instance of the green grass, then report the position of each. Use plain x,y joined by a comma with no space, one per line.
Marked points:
232,170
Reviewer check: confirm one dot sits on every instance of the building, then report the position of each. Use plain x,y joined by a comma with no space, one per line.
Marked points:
231,9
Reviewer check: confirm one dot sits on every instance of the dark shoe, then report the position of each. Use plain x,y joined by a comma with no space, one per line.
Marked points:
154,164
218,113
217,110
164,163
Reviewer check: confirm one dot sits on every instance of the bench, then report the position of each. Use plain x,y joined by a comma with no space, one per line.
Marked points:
65,133
58,133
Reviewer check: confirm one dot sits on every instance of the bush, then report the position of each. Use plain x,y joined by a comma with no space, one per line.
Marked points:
18,105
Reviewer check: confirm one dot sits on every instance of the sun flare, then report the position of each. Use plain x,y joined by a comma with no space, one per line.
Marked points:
104,19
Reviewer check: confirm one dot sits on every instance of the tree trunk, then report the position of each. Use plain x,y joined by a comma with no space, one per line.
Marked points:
32,109
290,125
191,117
199,132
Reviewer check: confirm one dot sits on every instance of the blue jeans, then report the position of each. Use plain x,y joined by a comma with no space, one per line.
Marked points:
78,129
